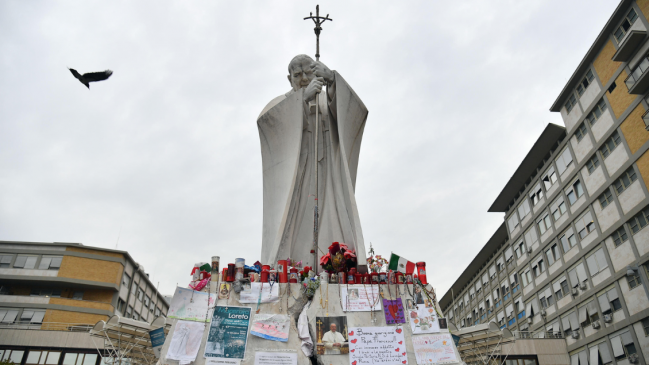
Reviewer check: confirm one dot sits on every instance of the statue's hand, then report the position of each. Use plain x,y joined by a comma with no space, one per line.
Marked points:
315,86
321,70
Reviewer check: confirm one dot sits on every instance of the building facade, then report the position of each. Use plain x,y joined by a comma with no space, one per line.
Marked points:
571,259
51,294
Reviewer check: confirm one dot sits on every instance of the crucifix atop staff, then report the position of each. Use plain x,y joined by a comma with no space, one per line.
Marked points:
318,20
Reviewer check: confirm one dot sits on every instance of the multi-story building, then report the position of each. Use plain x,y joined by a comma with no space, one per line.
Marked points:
51,294
571,259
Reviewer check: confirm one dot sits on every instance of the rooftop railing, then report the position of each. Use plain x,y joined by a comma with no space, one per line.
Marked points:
637,73
48,326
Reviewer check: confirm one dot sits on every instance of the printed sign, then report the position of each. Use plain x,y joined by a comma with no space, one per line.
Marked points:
269,294
275,358
271,327
393,311
185,341
221,361
434,349
360,298
191,305
157,337
423,320
377,345
228,332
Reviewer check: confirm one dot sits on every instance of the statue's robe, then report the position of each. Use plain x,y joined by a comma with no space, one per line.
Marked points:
286,130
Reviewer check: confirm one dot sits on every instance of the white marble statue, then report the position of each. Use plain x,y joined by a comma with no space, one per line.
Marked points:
286,130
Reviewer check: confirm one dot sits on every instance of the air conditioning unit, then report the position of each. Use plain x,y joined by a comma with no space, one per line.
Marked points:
575,335
529,250
575,292
633,358
530,320
596,325
543,313
608,318
582,285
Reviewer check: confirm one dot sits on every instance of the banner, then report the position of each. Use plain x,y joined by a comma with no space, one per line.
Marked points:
268,294
273,327
377,345
191,305
157,337
228,333
434,349
359,298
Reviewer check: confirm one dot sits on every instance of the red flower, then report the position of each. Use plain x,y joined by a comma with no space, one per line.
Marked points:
325,259
413,314
307,269
344,247
349,255
334,248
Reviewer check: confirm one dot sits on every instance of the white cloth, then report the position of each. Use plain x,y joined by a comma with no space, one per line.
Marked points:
303,331
329,339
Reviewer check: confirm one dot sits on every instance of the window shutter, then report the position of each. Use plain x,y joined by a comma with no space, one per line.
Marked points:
601,259
581,273
492,270
485,279
574,322
605,353
528,310
509,254
548,292
583,358
574,281
501,316
626,338
478,286
593,355
604,303
481,306
612,294
574,359
38,317
592,265
556,286
582,314
592,309
617,346
535,306
509,310
565,321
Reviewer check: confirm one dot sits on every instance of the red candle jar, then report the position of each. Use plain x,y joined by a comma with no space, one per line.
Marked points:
359,278
351,278
383,278
399,277
366,278
409,278
293,276
342,278
391,278
282,271
272,276
375,278
224,275
230,273
421,271
265,269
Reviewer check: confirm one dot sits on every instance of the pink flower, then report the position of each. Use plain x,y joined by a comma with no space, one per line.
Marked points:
349,255
325,259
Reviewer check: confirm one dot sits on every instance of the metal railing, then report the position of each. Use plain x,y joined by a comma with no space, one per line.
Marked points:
637,73
48,326
537,335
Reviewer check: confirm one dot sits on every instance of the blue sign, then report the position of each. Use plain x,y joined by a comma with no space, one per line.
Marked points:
157,340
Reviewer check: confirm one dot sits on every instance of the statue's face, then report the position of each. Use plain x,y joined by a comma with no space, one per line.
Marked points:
301,74
332,327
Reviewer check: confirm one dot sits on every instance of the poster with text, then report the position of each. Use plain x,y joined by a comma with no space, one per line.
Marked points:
185,341
377,345
275,358
423,320
360,298
434,349
191,305
228,332
393,311
269,294
273,327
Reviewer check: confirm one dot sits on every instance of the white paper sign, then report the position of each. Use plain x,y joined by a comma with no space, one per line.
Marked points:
434,349
191,305
217,361
423,320
185,341
360,298
268,294
377,345
275,358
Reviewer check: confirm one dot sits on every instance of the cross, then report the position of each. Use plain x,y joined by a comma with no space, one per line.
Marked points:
317,20
319,322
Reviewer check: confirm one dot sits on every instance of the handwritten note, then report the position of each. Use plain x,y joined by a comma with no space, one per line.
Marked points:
377,345
423,320
393,311
268,294
360,298
434,349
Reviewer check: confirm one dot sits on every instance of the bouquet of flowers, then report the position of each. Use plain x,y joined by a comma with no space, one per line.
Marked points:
340,258
305,272
309,286
375,262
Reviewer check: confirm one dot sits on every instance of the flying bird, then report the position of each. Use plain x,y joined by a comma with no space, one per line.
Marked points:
89,77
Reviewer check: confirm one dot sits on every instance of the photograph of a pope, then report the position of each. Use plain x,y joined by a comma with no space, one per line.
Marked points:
333,340
287,128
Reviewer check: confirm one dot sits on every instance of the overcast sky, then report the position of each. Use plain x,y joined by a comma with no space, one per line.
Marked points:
165,155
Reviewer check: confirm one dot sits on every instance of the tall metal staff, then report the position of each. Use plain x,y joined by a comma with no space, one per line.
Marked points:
318,20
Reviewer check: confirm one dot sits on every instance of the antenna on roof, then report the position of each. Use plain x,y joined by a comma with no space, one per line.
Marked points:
118,235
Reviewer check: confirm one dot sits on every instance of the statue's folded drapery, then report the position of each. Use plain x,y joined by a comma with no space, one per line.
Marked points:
286,130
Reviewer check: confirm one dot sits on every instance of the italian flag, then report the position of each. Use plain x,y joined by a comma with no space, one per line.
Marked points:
398,263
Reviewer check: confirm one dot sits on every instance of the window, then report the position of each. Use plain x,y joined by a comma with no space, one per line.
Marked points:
80,359
581,131
553,254
50,263
560,288
530,237
594,116
129,311
536,194
619,236
585,225
509,254
610,144
524,209
512,222
526,277
8,315
583,85
25,262
558,208
634,280
609,301
645,326
639,221
627,178
513,278
575,192
500,264
563,161
549,178
147,300
77,295
571,102
623,346
32,316
136,316
5,260
606,198
126,280
544,223
140,294
592,164
538,267
134,288
568,240
621,31
14,356
596,262
570,323
546,297
588,314
577,275
120,305
46,292
519,249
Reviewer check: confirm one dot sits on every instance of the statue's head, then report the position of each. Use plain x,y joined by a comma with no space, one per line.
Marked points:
299,71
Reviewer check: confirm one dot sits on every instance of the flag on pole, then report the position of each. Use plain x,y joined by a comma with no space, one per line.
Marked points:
398,263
